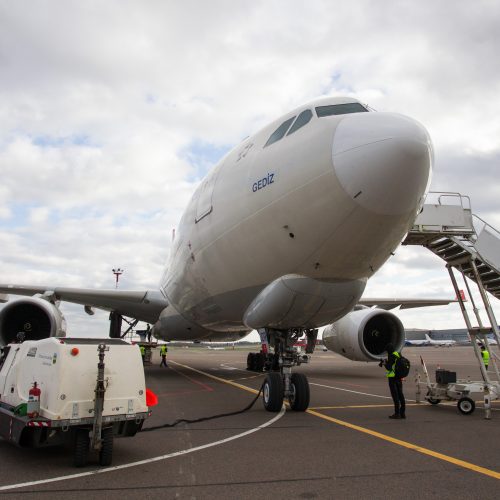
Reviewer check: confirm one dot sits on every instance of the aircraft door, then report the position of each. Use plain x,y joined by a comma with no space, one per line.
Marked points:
204,204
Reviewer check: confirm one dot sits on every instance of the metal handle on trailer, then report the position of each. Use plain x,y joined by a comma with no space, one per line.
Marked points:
100,390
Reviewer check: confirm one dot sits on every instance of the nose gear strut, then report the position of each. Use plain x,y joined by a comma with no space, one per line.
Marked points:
280,382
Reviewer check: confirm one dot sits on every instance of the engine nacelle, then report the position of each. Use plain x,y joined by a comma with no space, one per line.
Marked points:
363,335
37,318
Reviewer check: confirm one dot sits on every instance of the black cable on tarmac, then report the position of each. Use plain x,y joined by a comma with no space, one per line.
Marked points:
204,419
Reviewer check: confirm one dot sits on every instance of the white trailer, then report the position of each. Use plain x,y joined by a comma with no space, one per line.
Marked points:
448,388
90,391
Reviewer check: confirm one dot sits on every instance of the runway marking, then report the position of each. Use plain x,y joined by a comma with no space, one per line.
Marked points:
355,392
209,375
359,406
158,458
248,378
405,444
410,446
350,390
204,387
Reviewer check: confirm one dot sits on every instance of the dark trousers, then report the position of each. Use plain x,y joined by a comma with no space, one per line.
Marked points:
396,388
163,360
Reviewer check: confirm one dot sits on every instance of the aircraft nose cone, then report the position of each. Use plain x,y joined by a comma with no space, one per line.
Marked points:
383,161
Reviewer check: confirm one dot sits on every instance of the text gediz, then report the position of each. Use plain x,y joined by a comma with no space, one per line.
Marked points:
262,183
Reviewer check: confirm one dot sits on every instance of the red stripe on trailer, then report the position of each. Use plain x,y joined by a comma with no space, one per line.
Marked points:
38,424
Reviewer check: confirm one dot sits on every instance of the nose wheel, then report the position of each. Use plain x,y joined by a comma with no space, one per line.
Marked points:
299,392
281,383
273,392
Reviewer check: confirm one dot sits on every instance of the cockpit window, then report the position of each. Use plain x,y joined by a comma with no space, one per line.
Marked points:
303,119
280,132
340,109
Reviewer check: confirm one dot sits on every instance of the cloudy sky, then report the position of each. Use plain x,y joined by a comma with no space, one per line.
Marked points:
112,111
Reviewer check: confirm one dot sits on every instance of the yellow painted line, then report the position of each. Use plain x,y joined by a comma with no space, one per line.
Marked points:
410,446
404,444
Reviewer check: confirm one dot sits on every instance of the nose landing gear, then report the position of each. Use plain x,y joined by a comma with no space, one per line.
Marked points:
280,382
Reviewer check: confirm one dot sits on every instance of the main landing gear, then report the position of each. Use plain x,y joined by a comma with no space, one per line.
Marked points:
280,382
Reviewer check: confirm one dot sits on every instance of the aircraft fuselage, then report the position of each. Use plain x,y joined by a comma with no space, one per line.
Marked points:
285,234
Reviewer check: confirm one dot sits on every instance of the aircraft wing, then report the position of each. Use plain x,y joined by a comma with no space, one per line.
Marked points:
387,304
142,305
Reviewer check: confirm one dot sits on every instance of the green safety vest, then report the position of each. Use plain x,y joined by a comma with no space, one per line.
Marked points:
163,350
391,373
486,357
143,350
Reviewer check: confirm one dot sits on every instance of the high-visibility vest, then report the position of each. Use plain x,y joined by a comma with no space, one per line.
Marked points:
391,373
163,350
486,357
143,350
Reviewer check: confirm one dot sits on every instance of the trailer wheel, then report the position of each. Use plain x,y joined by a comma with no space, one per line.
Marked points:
81,450
433,401
106,453
466,406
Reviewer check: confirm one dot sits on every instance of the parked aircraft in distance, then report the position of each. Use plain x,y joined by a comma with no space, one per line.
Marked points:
281,236
491,340
439,343
419,342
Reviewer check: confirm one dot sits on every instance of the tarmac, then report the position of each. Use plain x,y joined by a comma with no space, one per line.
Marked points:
344,446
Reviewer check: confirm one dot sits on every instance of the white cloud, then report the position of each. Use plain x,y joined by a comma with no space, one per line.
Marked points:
102,102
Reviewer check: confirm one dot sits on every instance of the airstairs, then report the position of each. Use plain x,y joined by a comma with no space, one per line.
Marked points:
471,247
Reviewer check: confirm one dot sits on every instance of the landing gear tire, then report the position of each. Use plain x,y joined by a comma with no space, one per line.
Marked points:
250,360
81,451
299,397
259,361
466,406
255,361
273,392
106,453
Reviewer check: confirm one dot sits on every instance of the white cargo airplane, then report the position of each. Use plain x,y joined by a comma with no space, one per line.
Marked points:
281,236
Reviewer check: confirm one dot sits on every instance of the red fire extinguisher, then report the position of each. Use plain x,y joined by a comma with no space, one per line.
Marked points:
33,409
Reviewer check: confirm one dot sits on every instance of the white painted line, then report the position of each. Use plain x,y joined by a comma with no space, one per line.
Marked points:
147,460
350,390
228,367
355,392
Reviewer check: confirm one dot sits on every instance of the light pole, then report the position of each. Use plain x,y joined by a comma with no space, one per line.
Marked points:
117,272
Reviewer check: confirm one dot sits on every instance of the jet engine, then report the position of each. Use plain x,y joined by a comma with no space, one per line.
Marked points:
363,335
37,318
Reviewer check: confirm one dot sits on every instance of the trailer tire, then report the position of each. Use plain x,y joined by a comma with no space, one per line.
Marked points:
466,406
106,453
81,451
433,401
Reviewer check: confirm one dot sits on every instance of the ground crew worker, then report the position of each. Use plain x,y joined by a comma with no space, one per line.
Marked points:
143,352
395,383
486,356
163,352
